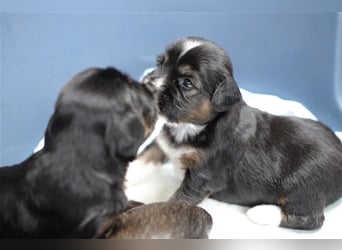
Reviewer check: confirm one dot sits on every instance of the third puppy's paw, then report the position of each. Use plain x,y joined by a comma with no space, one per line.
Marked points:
265,214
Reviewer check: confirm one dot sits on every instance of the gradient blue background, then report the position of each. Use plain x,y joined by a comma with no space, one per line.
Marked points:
295,54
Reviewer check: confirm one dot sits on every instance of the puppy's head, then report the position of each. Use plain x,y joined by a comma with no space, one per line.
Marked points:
108,103
194,78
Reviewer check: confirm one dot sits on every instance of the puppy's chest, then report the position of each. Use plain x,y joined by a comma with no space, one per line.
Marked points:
182,156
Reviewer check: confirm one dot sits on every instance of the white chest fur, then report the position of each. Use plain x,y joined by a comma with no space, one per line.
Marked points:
180,133
184,131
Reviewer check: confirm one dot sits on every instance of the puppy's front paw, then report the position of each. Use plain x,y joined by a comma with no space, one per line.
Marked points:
265,215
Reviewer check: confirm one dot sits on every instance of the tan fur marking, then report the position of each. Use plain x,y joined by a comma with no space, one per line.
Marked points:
152,154
148,130
282,201
203,113
190,160
185,69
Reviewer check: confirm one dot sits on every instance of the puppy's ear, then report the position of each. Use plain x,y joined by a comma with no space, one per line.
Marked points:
57,123
123,137
226,94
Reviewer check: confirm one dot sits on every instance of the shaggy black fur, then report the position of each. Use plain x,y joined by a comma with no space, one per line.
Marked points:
236,153
71,186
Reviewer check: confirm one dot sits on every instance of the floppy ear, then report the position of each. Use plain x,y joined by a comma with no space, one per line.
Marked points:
123,137
226,93
57,123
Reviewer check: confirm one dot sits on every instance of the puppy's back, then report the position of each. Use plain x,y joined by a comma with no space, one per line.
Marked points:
311,152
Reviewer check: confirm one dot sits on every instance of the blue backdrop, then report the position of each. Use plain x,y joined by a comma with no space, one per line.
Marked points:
296,55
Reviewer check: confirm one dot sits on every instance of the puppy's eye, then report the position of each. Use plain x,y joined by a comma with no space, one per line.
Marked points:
186,83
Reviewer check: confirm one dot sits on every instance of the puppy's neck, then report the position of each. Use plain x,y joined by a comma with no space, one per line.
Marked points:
182,132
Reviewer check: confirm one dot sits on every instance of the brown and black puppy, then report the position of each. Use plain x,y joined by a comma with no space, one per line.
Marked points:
160,221
235,153
73,187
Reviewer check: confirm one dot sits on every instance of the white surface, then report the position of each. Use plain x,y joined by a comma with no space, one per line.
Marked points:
150,183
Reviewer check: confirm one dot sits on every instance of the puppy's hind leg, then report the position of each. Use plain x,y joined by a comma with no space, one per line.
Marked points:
297,214
306,222
302,212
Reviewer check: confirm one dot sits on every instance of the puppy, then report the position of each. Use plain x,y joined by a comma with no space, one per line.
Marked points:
235,153
73,187
160,221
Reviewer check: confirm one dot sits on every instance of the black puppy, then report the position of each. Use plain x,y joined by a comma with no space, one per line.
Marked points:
236,153
73,187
